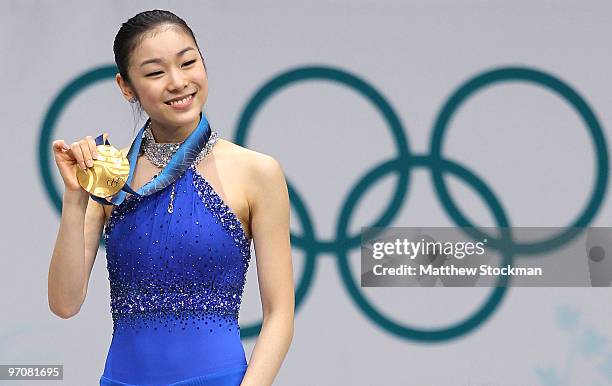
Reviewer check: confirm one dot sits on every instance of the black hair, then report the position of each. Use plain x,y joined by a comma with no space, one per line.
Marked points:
133,31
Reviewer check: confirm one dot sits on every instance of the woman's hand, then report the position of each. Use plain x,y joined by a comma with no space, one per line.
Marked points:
67,158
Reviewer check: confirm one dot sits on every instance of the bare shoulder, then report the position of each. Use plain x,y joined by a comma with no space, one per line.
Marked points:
261,175
257,166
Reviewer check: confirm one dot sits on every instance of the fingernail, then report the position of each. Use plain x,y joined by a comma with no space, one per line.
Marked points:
89,163
95,156
66,147
82,165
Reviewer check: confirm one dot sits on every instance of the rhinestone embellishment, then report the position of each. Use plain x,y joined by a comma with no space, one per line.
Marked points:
160,153
176,272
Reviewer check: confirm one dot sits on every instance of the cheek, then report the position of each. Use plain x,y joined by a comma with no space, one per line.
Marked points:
201,76
203,83
152,94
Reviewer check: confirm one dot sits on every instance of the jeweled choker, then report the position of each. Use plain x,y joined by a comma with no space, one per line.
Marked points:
160,153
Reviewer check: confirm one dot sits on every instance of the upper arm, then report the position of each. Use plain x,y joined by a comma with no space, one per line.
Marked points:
269,201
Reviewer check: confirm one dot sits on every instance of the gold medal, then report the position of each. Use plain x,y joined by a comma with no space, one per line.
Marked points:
107,175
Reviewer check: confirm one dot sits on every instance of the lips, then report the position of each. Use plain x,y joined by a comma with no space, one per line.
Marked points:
180,100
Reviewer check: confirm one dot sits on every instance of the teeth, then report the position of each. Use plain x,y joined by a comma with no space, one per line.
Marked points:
182,101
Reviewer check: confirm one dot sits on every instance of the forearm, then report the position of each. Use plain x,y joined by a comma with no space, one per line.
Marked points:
270,349
67,267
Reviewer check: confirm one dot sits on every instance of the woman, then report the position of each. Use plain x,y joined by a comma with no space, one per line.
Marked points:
177,258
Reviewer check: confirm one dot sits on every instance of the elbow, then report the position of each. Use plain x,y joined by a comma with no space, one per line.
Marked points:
63,307
64,312
291,332
291,328
283,317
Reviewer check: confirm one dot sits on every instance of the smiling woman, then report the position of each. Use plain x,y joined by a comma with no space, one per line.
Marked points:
161,67
177,256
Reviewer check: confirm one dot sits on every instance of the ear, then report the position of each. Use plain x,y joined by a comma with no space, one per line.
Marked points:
124,87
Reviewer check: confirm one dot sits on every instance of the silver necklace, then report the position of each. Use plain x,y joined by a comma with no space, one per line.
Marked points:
160,154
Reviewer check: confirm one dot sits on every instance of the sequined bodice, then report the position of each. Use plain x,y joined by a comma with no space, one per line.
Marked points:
179,270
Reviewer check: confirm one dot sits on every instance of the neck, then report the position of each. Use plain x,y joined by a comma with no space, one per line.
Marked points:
172,134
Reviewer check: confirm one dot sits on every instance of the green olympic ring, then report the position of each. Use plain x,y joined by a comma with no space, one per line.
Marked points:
580,106
402,165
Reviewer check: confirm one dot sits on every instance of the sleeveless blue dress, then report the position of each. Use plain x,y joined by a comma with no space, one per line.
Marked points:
176,283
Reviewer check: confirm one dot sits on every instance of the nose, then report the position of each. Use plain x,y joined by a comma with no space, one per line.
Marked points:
177,81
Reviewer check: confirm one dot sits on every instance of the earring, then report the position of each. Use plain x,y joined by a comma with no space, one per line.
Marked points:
133,100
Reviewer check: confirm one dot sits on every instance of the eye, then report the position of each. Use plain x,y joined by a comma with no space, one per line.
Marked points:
188,63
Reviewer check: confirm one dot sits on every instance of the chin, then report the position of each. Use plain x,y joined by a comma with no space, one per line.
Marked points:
186,117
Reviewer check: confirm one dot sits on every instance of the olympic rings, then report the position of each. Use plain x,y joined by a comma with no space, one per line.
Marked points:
59,103
580,106
437,165
446,333
344,79
402,165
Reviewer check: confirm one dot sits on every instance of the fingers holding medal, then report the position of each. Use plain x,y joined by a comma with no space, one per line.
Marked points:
106,173
75,156
85,152
100,170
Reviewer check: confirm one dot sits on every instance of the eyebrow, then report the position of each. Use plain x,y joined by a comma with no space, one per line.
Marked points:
157,60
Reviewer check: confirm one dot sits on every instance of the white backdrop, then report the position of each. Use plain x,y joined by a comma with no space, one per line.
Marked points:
526,143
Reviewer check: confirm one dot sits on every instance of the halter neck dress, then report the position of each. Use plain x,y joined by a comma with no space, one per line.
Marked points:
176,284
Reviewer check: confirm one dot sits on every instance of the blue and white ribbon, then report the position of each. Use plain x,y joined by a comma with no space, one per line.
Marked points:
180,161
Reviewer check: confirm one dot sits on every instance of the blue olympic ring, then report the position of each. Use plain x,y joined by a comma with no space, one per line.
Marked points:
402,164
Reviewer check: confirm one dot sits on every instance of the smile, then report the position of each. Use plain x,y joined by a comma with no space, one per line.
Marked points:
181,102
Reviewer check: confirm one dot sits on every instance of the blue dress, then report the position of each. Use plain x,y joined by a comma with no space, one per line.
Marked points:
176,281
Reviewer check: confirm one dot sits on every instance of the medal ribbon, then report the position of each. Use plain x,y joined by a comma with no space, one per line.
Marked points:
180,161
